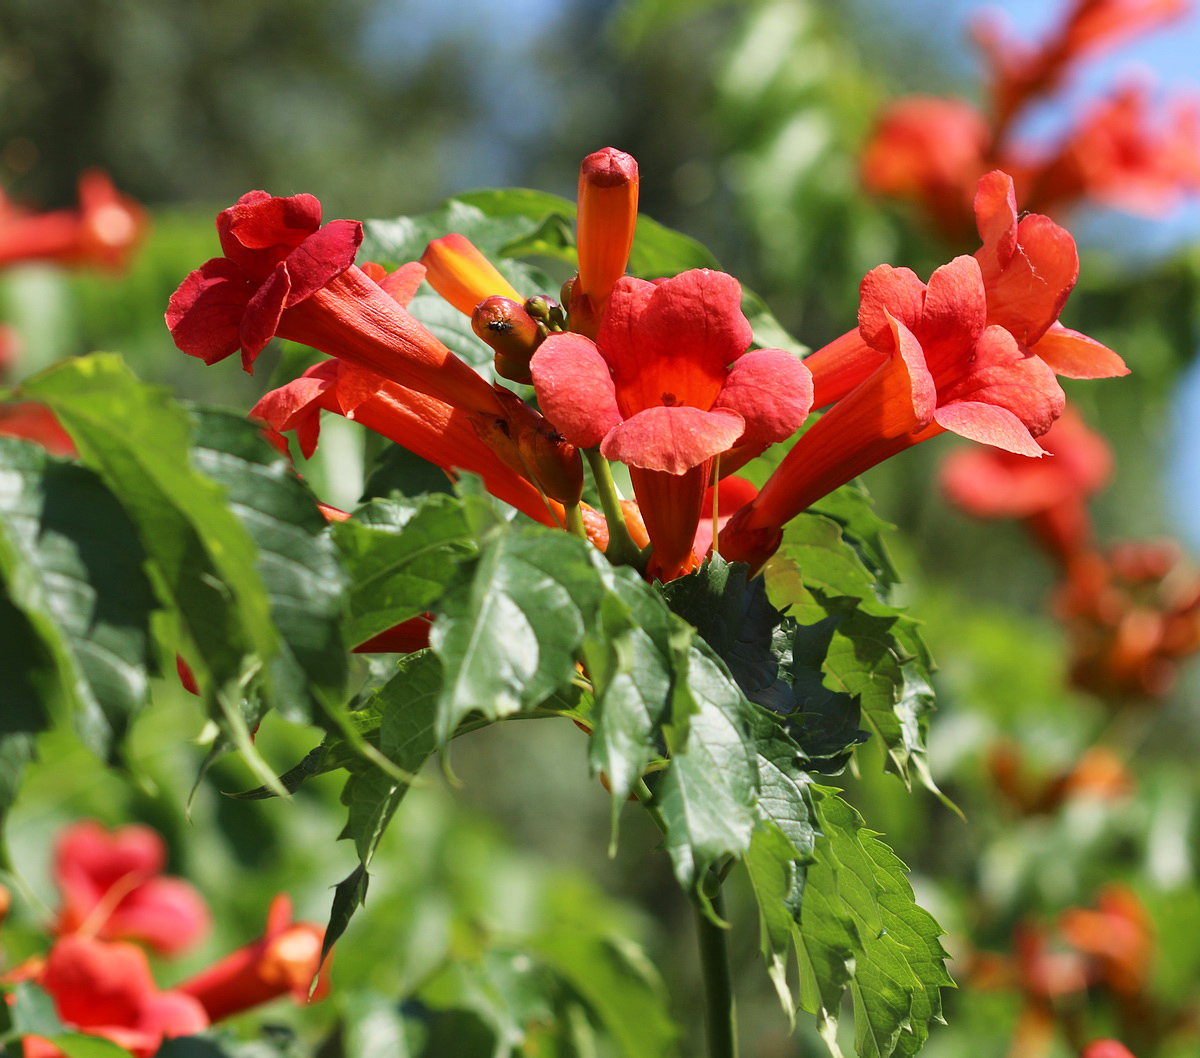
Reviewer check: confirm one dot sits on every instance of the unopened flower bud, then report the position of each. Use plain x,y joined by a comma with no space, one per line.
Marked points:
512,334
548,312
462,275
607,217
528,443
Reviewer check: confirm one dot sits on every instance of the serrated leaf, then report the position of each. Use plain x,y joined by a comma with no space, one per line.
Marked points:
781,847
296,559
862,930
636,652
407,705
399,558
73,568
708,793
776,663
201,559
510,626
875,653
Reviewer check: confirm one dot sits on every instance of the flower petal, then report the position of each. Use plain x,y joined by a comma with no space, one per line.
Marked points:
204,315
771,390
324,254
259,231
955,313
886,291
672,439
672,343
1075,355
263,313
575,388
1027,293
1005,376
996,219
989,424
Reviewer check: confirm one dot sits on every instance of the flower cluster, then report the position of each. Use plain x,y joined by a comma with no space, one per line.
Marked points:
663,376
1105,950
1122,152
1131,610
114,894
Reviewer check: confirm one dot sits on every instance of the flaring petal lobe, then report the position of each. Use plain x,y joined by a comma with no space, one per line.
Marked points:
1075,355
575,388
204,315
673,440
888,292
996,216
326,253
1005,376
955,312
771,390
262,315
988,424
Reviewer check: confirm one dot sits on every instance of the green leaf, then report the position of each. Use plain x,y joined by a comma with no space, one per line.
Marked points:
407,705
707,795
73,567
781,847
875,653
201,559
395,242
776,663
31,1011
611,975
511,624
861,929
636,653
296,559
400,473
77,1045
399,558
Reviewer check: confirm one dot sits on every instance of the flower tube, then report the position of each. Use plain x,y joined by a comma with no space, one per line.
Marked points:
431,429
283,961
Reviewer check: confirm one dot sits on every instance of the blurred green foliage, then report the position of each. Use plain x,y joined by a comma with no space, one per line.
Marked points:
745,119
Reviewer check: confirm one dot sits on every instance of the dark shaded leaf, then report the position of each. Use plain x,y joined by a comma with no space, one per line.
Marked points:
76,583
296,559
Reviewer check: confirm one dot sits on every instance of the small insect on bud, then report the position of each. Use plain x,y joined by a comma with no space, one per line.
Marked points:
462,275
512,334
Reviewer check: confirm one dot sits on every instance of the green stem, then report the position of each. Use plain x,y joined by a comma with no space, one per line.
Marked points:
720,1014
575,521
622,551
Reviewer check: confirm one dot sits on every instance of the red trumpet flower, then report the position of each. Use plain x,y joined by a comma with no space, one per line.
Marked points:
113,887
942,368
444,435
284,274
106,989
283,961
666,388
103,231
